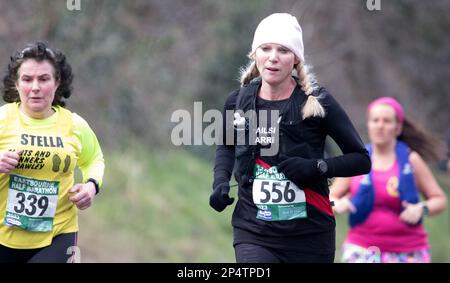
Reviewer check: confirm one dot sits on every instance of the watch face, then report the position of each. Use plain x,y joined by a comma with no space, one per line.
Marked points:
323,167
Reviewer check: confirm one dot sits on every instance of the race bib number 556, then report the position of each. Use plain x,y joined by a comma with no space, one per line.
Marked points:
31,203
276,197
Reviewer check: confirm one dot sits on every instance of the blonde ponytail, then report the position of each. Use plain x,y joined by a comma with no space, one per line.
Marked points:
312,107
249,73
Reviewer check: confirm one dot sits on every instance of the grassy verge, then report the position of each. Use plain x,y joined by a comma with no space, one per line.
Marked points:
154,208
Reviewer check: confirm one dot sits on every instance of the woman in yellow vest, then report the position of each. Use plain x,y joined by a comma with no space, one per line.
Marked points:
41,143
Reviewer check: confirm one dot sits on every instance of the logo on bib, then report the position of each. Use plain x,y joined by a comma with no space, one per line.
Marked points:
264,214
13,222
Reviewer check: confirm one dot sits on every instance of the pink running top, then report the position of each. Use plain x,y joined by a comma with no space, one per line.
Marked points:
383,228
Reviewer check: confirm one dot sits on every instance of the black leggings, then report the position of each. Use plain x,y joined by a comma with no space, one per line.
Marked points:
251,253
61,250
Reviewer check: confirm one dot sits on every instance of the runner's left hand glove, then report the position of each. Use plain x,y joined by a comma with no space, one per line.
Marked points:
219,198
299,170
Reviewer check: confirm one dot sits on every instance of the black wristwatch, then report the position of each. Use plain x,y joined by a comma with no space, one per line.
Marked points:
97,186
425,209
322,167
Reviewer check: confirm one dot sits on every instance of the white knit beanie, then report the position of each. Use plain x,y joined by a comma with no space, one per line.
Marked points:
280,28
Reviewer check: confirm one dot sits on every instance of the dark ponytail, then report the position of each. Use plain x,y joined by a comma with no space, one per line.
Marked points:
428,146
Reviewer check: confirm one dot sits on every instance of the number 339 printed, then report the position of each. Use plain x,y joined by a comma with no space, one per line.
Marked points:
30,204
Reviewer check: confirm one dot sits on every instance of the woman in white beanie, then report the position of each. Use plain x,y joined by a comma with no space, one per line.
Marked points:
283,213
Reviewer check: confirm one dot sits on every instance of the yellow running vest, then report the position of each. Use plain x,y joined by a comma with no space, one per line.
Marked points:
34,197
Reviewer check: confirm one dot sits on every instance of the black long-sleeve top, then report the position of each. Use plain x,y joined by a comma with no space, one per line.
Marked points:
336,124
354,161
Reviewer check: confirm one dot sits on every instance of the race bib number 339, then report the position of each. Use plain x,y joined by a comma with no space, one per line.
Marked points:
276,197
31,203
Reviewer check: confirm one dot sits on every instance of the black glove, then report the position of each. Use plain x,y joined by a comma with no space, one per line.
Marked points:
299,170
219,198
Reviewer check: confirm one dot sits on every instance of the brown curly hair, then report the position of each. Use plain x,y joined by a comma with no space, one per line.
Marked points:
39,51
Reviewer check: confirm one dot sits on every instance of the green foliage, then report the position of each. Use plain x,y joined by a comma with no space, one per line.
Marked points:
225,57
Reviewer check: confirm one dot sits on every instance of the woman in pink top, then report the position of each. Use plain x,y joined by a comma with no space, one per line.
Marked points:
384,209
